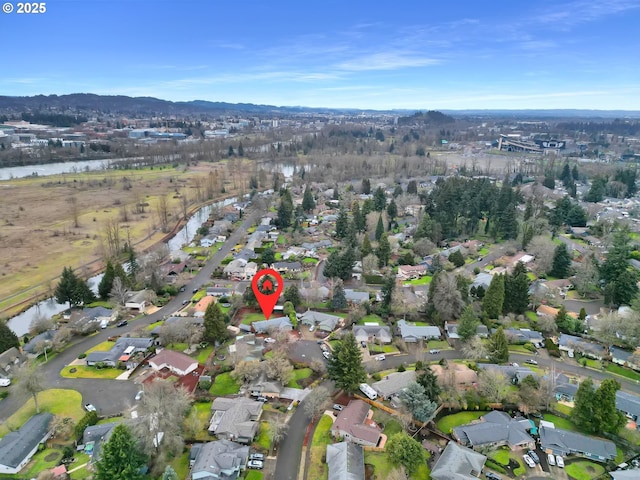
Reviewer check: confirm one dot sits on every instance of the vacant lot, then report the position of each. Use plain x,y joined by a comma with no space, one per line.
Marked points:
56,221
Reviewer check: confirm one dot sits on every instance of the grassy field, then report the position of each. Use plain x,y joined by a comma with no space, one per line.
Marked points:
101,347
321,438
181,465
84,371
623,372
446,424
560,422
263,442
584,470
426,280
386,348
299,374
249,318
224,384
253,475
203,354
438,345
90,200
59,402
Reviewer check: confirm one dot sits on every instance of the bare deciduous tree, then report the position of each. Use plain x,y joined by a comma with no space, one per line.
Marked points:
475,349
61,338
119,292
447,299
74,210
162,208
40,324
31,381
543,249
277,429
315,402
247,371
278,367
493,385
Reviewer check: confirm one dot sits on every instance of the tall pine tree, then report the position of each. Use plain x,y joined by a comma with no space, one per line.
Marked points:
215,329
494,297
345,366
120,457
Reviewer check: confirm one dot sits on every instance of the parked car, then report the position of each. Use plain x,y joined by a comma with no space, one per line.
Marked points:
492,476
5,382
529,461
551,460
380,357
338,407
269,340
139,395
89,408
182,289
433,351
123,323
326,354
312,328
534,456
363,344
185,302
257,464
195,290
256,456
531,361
262,399
559,461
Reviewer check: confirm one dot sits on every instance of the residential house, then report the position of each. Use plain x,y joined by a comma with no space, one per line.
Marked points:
458,375
496,429
187,322
264,387
354,424
94,436
17,447
524,335
235,419
173,269
273,324
247,348
632,474
563,442
565,391
458,463
220,460
136,300
628,404
287,267
345,461
355,297
241,269
546,310
372,333
9,361
409,272
572,344
448,251
295,252
394,383
516,374
219,291
483,279
622,357
412,333
177,362
324,321
451,330
31,347
122,351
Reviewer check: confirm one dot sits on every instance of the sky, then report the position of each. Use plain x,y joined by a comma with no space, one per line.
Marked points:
466,54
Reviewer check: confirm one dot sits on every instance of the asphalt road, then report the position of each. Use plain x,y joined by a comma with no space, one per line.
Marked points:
113,396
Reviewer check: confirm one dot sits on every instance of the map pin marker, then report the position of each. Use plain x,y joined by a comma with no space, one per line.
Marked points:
267,291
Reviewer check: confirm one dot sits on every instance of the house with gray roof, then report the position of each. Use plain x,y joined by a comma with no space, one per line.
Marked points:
10,360
220,460
451,330
513,373
458,463
483,280
137,300
247,348
372,333
264,387
286,267
356,297
628,404
571,343
17,447
94,436
30,347
345,461
563,442
324,321
632,474
394,383
496,429
219,291
117,352
620,356
523,335
235,419
273,324
411,333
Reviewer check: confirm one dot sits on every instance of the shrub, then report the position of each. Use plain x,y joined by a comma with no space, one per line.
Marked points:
530,346
204,384
68,452
4,394
73,370
402,368
419,365
90,418
82,355
376,376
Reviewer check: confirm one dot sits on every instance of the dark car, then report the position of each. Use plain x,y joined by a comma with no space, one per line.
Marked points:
492,476
182,289
534,456
256,456
123,323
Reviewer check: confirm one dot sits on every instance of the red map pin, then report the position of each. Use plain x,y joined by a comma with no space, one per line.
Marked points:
267,285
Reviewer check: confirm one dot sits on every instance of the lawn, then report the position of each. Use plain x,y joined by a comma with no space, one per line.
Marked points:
203,354
387,348
373,318
154,325
81,473
531,315
446,424
263,442
224,384
531,276
110,420
44,460
483,251
520,349
249,318
584,470
101,347
438,345
562,408
321,438
299,374
623,372
202,410
63,403
426,280
181,465
380,462
251,475
310,260
560,422
84,371
390,424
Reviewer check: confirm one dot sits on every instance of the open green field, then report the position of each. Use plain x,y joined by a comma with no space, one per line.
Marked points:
224,384
59,402
447,423
84,371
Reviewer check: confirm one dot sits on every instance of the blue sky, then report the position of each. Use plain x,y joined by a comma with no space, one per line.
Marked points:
350,53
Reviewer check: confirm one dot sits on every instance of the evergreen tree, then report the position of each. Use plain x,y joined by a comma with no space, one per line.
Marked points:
561,262
418,403
106,283
574,173
392,210
428,380
516,290
342,224
366,247
240,150
424,229
468,324
120,457
285,210
494,297
498,347
66,290
406,451
292,294
387,291
565,176
584,407
379,228
397,191
345,366
215,329
8,339
268,256
83,292
383,252
338,299
169,472
597,190
379,200
366,186
456,258
617,258
412,187
308,204
609,419
359,220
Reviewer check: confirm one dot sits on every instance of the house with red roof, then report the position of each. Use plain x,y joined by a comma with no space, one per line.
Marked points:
355,424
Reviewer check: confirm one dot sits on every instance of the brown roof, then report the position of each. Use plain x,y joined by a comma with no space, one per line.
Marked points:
353,420
178,360
547,310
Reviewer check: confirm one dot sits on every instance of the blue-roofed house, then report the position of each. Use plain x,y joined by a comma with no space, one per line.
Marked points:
17,447
273,324
496,429
411,333
573,344
563,442
345,461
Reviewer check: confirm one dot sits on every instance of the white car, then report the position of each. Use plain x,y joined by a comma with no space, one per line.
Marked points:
560,461
380,357
5,382
529,461
269,340
257,464
312,328
551,460
326,355
139,395
90,408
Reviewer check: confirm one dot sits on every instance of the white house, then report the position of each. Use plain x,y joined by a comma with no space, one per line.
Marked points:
177,362
136,300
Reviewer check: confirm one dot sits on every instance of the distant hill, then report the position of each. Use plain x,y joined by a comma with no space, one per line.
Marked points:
431,118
